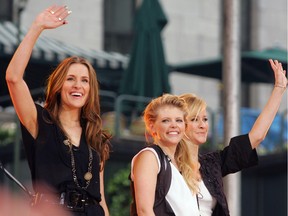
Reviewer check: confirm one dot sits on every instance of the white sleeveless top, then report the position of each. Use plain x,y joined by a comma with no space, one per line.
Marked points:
179,196
206,201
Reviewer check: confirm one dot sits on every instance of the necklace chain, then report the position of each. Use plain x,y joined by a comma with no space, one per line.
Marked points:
89,170
88,175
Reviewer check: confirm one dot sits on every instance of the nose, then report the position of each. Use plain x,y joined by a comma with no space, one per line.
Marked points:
77,84
201,123
172,124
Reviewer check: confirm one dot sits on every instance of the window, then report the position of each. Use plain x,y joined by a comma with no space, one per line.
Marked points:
118,25
6,12
245,14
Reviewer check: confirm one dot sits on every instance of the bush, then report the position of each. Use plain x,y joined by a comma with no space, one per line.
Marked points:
118,190
7,136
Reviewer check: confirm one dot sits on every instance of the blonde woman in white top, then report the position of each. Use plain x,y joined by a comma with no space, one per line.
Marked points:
165,120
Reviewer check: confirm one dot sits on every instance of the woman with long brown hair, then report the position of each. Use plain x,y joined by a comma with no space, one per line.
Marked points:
65,146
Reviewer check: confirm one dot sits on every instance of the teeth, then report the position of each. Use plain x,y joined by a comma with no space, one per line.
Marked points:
173,132
76,94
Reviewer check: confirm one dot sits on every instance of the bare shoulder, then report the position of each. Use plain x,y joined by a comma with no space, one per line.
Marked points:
145,159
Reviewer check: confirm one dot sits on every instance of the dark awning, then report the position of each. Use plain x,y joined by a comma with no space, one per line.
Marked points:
254,66
48,52
51,50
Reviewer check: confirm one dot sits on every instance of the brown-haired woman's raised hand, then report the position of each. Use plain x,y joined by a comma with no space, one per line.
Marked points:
52,17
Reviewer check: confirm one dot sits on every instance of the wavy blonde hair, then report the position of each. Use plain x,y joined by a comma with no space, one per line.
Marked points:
90,112
194,103
183,159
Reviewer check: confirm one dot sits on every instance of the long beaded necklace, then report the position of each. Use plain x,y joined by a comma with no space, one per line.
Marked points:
88,175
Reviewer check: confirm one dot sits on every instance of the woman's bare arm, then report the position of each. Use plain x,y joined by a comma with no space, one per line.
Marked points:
145,172
266,117
18,89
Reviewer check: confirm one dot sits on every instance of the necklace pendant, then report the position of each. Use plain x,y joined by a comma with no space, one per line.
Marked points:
67,142
88,176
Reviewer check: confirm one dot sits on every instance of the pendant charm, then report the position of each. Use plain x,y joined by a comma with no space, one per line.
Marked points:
88,176
66,142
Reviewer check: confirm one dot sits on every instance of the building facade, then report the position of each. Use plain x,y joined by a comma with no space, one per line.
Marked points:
194,32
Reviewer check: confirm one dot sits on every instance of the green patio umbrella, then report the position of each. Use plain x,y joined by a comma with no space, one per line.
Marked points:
147,72
255,67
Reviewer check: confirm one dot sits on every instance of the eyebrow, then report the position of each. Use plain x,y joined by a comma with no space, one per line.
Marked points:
72,75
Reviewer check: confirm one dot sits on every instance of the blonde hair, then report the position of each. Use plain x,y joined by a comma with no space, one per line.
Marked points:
90,112
194,103
186,165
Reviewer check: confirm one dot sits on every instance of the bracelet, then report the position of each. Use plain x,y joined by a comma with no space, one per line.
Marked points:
280,86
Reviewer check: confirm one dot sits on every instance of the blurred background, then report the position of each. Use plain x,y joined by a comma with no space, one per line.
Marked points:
181,51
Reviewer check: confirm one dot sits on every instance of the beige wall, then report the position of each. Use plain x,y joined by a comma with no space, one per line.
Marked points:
85,23
269,24
193,30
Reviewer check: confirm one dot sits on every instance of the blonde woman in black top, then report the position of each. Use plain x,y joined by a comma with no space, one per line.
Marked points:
239,154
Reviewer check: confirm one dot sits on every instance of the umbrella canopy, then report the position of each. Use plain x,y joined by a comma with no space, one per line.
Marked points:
255,67
147,72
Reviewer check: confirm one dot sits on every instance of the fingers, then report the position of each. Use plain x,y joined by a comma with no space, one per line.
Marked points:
273,65
59,12
276,65
279,73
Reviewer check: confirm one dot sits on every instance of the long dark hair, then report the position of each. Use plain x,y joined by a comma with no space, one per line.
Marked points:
96,138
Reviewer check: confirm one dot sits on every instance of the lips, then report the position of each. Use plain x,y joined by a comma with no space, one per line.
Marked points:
202,133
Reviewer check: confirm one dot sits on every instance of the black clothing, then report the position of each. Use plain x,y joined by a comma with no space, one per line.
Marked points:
50,161
215,165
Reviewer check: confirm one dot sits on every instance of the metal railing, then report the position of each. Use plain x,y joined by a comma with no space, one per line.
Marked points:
119,106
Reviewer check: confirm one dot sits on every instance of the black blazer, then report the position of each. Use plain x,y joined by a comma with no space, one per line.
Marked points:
236,156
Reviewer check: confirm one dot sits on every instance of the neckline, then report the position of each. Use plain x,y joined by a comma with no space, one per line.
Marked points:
68,142
167,155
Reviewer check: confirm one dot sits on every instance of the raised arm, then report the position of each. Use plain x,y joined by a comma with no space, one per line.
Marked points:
50,18
266,117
